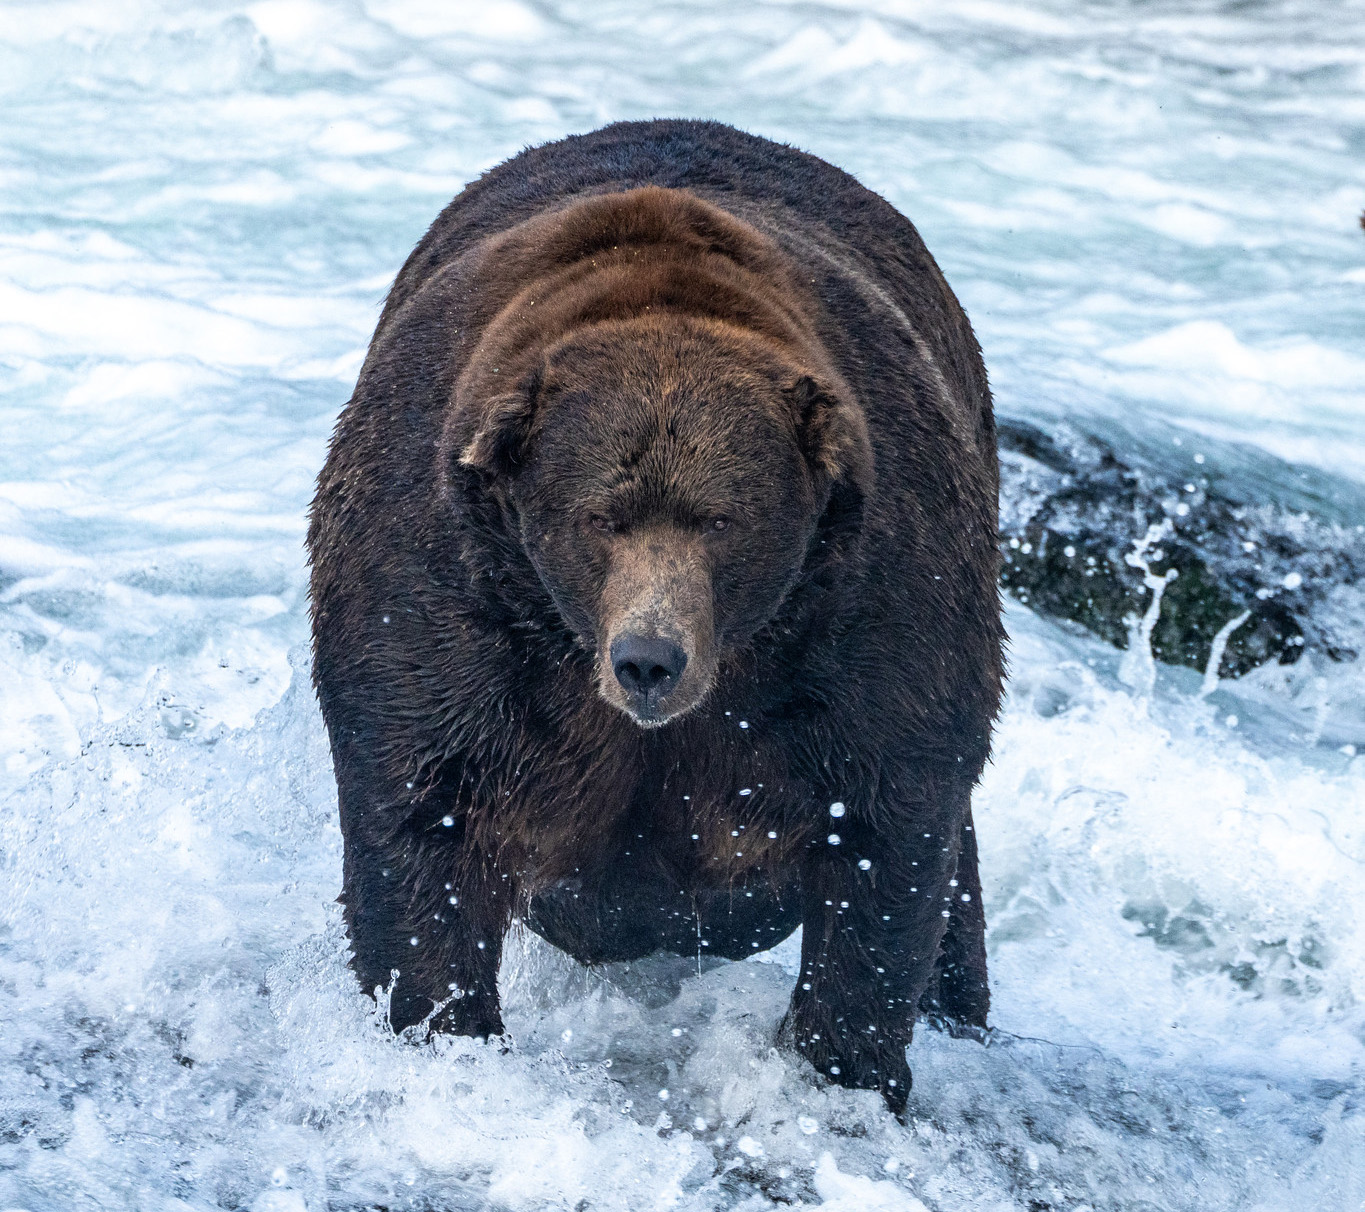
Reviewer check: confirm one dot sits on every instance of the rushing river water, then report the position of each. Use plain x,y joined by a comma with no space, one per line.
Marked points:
1150,210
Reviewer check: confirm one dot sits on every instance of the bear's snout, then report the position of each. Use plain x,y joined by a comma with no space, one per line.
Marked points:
647,667
656,631
650,676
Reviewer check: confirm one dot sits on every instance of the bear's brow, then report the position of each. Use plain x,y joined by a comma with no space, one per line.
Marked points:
639,499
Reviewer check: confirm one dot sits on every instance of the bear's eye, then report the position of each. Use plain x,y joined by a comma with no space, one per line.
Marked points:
720,523
604,524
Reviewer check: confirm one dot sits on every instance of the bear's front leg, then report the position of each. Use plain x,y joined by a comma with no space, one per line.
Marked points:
466,948
875,908
436,913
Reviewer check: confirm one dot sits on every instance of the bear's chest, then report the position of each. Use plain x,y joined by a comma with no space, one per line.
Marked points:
717,811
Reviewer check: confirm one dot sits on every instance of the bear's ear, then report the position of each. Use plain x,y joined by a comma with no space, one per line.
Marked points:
830,429
501,442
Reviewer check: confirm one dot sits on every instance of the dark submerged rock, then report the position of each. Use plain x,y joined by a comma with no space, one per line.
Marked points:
1243,533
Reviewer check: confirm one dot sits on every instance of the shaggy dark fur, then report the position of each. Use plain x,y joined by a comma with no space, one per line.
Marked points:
666,389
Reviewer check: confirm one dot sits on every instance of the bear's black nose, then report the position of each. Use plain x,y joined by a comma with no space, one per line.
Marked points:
647,665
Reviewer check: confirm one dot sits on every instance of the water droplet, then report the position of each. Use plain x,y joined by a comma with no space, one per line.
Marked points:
837,808
834,839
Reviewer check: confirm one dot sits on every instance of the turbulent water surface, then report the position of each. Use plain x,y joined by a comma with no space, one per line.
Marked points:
1150,211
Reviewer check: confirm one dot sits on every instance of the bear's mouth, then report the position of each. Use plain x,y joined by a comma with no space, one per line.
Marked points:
649,719
652,715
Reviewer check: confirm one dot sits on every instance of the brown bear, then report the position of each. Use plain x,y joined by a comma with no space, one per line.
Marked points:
654,592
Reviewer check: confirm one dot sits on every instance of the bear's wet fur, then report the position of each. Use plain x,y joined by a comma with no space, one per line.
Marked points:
654,592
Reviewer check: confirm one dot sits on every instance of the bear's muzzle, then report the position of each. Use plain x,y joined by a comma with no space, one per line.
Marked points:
657,647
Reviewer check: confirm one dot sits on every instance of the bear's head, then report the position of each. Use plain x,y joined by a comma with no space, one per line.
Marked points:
667,476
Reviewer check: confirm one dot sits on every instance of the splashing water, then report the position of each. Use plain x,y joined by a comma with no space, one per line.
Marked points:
1138,669
1216,650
